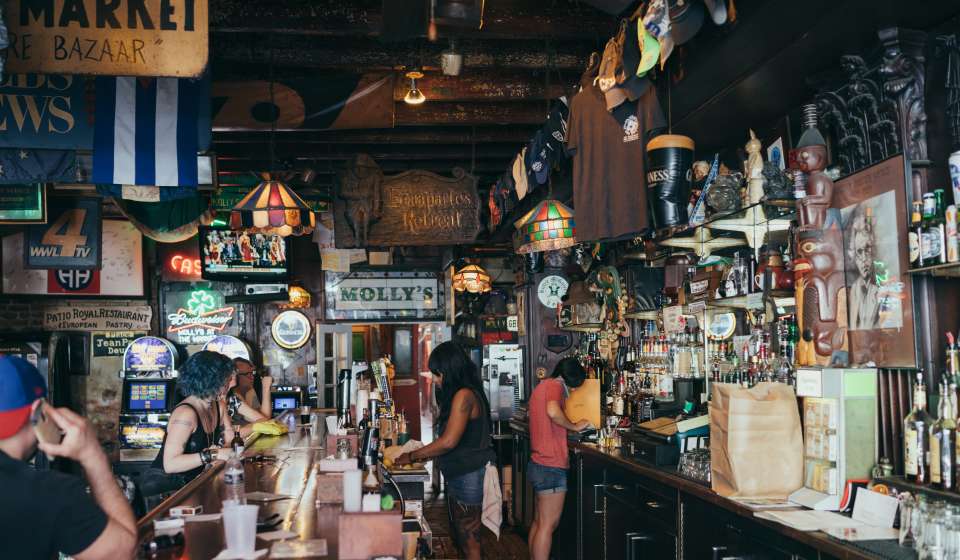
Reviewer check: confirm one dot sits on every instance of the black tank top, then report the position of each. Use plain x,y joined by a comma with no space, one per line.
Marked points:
199,439
475,449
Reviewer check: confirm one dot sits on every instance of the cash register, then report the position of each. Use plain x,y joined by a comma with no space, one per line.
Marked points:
148,397
286,398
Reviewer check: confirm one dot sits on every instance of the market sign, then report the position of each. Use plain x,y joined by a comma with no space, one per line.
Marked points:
23,204
115,37
97,317
112,343
199,316
70,239
411,208
383,296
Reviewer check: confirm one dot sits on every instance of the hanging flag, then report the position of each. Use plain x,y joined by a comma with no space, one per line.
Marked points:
145,131
37,166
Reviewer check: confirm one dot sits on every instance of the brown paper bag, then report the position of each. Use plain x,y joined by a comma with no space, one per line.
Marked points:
756,445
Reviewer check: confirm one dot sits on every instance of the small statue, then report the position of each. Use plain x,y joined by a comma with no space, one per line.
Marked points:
812,157
724,193
361,186
753,170
776,184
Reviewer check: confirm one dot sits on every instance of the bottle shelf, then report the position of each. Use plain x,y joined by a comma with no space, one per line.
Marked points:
779,210
948,270
781,298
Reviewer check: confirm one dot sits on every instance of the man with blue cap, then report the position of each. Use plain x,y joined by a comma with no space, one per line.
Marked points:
47,512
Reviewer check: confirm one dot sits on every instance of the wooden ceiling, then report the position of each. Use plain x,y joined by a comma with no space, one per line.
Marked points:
528,52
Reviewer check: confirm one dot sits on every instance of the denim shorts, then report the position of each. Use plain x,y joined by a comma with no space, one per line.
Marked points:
467,488
547,480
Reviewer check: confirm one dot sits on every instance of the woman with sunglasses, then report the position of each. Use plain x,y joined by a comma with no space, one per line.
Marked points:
245,404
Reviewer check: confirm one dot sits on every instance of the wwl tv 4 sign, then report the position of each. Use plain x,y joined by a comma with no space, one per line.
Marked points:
70,239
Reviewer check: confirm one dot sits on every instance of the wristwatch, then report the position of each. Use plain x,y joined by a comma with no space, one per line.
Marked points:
206,456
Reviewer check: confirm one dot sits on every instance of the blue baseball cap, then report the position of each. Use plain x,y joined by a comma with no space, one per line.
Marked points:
20,385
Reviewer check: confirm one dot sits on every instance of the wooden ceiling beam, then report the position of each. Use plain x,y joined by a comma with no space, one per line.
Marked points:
460,114
336,18
486,86
404,136
234,54
323,152
331,167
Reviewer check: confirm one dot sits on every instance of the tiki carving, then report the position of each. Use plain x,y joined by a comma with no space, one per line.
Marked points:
361,186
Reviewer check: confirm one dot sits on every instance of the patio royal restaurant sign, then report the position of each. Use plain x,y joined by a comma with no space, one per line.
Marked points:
108,37
383,296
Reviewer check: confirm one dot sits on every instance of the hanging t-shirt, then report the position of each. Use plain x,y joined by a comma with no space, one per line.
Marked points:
609,182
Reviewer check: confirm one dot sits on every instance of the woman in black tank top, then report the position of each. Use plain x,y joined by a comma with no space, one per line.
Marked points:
464,446
198,425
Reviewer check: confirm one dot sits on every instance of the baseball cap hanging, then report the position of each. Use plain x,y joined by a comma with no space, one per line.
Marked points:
649,50
20,385
520,174
686,19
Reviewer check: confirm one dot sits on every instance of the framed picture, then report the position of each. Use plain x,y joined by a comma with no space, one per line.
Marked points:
873,214
23,204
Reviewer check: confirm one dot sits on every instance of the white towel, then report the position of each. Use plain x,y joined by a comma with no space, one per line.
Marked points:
492,515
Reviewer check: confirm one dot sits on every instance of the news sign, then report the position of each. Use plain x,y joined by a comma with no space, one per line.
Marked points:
70,239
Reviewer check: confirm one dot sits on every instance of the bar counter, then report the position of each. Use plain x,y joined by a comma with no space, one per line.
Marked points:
277,464
669,515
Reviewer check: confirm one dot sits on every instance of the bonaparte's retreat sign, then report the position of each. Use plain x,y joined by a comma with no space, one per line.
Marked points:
108,37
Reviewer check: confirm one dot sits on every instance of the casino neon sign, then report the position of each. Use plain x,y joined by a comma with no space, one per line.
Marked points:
185,265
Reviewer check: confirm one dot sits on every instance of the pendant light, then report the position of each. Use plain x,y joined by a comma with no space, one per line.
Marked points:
414,96
473,279
548,227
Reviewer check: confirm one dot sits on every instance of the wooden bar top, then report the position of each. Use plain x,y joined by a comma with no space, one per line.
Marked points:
283,465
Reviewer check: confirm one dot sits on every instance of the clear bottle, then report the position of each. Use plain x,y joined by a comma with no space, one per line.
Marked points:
916,453
943,443
234,486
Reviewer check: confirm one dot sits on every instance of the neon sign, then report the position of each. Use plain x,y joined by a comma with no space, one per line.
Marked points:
185,265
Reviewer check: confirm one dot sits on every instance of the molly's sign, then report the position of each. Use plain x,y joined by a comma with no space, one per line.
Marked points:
383,295
112,37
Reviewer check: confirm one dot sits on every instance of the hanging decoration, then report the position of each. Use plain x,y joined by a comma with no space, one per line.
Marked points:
549,226
272,208
473,279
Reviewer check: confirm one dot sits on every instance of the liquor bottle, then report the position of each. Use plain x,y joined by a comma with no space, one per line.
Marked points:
943,443
933,248
916,235
237,443
916,454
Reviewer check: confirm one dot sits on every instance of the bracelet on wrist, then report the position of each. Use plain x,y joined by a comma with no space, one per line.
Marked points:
206,456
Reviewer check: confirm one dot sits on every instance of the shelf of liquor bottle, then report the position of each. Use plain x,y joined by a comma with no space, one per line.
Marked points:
901,483
781,298
779,212
948,270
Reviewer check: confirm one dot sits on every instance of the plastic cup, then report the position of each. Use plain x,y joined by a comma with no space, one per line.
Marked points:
240,528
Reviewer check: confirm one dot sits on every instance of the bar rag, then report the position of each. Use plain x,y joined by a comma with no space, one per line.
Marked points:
492,515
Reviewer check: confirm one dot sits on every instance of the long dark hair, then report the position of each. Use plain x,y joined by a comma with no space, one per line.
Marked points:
450,360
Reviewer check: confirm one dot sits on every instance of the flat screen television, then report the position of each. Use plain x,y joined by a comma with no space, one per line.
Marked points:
239,255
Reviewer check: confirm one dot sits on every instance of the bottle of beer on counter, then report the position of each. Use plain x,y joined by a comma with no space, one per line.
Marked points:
943,443
916,452
237,443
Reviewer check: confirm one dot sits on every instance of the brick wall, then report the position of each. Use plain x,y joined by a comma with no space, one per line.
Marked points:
19,314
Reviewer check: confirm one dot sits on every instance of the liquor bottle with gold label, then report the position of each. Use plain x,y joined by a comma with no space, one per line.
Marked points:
943,443
916,452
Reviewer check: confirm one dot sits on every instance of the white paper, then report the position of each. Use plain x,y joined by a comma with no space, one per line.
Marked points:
809,520
671,318
277,535
874,508
227,555
809,383
865,533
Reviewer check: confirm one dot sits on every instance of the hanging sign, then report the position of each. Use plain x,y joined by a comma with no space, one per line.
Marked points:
412,208
290,329
111,343
119,37
44,111
70,239
383,296
23,204
229,346
149,354
199,316
97,317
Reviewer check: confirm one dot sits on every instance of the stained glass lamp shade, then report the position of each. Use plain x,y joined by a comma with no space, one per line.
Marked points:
275,209
548,227
473,279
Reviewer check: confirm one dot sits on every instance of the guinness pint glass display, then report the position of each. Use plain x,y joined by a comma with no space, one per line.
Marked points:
669,175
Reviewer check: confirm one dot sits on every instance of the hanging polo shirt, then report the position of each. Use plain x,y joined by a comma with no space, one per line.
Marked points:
609,182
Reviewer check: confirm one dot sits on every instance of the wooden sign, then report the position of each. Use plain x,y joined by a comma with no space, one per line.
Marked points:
412,208
99,317
119,38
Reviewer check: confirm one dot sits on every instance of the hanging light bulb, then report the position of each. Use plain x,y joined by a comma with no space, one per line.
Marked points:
414,96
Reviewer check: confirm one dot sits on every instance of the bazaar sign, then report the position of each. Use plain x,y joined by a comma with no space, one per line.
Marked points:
199,317
383,296
99,317
117,37
411,208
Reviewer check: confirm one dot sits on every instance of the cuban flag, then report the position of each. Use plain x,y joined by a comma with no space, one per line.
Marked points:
145,131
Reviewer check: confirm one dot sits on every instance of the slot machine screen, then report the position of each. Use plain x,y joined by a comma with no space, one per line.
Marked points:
147,396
